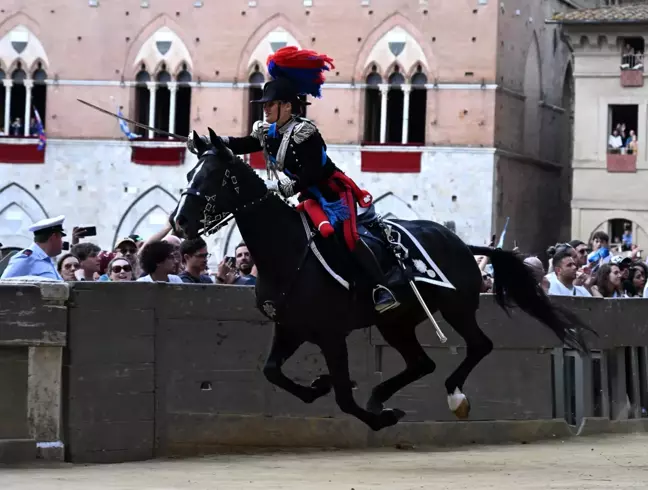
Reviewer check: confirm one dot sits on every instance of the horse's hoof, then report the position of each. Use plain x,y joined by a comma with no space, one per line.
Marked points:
322,384
389,417
374,406
459,404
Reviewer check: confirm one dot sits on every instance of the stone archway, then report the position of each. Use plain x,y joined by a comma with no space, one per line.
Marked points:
144,214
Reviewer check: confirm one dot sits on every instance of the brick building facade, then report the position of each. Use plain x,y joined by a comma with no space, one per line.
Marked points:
456,111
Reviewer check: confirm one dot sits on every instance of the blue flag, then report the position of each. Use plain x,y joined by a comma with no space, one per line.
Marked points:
125,129
42,138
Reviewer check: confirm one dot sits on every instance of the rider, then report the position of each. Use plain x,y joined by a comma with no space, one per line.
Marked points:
294,145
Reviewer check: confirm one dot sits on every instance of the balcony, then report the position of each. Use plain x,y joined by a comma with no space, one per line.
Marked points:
20,149
632,69
621,162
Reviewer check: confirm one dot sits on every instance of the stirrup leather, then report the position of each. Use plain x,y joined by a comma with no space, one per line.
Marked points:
387,307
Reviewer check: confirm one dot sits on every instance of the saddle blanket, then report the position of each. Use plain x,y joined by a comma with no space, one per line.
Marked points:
424,268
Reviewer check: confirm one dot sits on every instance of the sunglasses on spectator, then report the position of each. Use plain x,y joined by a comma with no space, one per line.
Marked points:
72,265
203,256
118,268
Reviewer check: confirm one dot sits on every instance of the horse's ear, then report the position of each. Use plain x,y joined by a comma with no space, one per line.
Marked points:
198,143
215,139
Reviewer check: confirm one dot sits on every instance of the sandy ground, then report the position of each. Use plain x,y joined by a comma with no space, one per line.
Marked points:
588,463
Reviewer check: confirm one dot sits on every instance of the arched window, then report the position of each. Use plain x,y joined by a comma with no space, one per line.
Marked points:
372,107
17,103
417,108
162,99
142,100
183,102
3,129
39,93
395,107
255,111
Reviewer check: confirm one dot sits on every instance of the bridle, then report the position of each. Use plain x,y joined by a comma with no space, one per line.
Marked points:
214,222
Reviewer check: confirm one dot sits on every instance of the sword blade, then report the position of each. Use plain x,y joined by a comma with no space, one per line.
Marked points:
135,123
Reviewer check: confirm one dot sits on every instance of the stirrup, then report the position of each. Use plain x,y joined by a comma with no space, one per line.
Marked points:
381,308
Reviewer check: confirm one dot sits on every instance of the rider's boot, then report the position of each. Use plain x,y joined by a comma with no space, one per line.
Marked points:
383,298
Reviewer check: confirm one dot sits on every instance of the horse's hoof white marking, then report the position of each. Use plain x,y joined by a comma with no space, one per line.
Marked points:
458,404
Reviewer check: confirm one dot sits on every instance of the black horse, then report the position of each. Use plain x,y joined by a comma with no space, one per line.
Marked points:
296,291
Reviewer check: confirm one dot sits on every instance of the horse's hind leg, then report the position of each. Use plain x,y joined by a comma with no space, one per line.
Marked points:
478,346
284,345
417,363
335,352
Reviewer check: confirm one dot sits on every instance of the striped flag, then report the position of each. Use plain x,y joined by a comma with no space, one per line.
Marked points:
42,138
124,127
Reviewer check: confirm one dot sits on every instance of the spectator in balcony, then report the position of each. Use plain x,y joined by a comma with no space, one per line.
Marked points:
158,262
615,143
631,143
635,284
608,283
626,239
89,260
565,268
67,266
194,254
120,269
16,127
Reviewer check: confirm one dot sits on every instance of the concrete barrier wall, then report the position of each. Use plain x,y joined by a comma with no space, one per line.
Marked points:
33,332
158,369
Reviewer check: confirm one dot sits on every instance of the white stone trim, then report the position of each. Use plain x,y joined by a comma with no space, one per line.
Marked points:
327,85
30,140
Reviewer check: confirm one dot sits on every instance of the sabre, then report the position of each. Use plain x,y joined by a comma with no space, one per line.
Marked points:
439,332
135,123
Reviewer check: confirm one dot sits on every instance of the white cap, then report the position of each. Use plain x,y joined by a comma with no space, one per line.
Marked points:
44,224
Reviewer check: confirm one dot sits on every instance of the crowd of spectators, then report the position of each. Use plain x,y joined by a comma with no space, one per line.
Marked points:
596,269
162,258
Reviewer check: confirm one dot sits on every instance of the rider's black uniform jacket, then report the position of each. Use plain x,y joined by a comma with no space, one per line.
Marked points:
297,149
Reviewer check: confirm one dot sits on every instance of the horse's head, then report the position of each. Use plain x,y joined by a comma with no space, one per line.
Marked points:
219,184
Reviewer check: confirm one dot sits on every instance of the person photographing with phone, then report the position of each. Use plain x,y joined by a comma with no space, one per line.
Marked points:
238,270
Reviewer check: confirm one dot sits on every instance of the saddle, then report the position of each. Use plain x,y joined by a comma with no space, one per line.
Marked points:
385,238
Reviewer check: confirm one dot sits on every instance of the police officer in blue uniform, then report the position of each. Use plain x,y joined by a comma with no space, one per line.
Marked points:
38,259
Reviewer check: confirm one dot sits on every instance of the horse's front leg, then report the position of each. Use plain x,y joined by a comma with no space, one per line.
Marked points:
284,345
336,354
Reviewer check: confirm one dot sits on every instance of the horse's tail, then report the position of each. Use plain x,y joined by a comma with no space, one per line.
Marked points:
514,283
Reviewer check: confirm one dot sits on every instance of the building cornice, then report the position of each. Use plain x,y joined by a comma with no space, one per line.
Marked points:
246,85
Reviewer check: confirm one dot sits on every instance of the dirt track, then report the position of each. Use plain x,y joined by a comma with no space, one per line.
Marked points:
587,463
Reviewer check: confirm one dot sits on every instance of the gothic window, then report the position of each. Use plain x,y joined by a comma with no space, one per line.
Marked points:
142,100
372,107
39,91
167,87
183,102
17,101
255,111
395,107
3,130
162,99
417,108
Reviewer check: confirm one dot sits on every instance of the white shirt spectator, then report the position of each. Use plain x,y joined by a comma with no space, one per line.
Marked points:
172,278
557,288
615,141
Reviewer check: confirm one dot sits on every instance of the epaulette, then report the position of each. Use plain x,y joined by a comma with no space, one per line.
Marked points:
304,130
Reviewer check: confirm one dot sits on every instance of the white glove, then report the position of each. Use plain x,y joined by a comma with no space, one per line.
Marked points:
272,186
